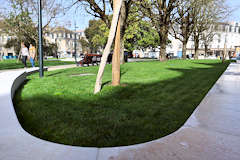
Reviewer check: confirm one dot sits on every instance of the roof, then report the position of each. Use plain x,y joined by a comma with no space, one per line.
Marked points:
60,29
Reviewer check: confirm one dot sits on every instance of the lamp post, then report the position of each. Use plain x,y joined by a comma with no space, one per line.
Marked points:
41,73
75,43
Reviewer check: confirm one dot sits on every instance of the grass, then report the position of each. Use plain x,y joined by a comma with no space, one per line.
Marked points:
13,64
156,100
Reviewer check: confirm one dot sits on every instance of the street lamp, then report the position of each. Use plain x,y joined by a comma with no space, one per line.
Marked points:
75,43
41,74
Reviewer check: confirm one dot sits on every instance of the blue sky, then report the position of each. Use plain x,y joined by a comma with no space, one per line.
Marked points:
235,5
82,18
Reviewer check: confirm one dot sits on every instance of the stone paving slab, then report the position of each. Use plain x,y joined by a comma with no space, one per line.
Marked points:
17,144
211,133
185,144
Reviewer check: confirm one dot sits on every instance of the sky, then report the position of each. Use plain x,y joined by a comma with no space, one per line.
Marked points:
81,18
235,5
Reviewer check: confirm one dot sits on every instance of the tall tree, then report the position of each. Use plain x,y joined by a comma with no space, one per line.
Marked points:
85,45
207,37
208,13
20,19
141,35
113,28
96,33
162,14
184,23
102,9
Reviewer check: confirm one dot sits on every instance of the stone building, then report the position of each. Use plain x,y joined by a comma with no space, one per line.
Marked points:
224,33
64,38
3,40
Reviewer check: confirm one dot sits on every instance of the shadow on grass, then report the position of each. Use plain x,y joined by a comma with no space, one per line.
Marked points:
127,115
56,73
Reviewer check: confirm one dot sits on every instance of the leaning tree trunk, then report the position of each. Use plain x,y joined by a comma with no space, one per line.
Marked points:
184,50
106,52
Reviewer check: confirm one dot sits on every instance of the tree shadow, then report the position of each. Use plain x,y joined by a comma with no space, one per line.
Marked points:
56,73
137,113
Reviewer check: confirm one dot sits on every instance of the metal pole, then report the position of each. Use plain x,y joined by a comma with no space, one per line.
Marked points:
41,74
75,44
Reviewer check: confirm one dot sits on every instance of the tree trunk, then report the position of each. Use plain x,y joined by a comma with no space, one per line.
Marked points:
106,52
163,35
196,53
123,23
162,56
196,44
122,50
116,57
206,49
184,50
224,53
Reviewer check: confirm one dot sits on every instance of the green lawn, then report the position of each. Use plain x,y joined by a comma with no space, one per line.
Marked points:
13,64
155,100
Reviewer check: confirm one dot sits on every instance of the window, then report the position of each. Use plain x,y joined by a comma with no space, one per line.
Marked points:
223,28
219,38
230,28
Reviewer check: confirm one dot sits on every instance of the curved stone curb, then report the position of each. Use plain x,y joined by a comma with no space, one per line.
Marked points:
17,144
211,133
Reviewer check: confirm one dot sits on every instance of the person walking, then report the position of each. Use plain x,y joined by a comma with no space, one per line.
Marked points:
32,52
24,54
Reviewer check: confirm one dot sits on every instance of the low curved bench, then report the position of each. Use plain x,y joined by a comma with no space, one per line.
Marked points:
211,133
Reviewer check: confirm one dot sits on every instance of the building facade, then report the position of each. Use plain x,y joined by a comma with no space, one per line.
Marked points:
3,40
64,38
223,33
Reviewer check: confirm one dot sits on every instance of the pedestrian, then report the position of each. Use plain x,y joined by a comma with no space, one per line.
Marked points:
32,52
24,54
